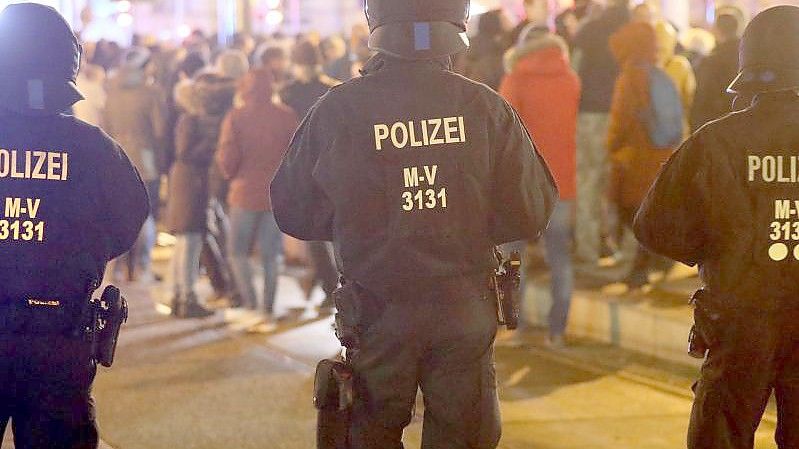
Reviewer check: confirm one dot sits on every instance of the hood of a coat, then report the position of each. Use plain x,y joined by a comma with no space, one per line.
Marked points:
257,86
635,42
543,54
667,42
208,95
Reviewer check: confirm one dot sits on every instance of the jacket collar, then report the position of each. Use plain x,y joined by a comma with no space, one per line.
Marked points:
382,61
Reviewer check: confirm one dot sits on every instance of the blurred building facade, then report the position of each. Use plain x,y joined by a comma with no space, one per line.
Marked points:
172,20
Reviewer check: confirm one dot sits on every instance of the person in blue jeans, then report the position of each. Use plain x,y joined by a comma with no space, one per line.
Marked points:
254,138
538,70
557,244
247,228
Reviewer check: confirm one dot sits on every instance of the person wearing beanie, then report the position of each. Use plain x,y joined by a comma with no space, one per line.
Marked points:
309,84
81,204
135,115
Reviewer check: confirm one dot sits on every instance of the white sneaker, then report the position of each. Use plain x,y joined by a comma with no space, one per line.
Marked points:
242,319
310,313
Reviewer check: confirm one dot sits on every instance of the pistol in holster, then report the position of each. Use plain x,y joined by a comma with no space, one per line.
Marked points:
334,390
107,315
703,334
505,286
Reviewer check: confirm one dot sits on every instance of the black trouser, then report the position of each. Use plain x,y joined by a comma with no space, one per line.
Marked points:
45,389
441,341
213,256
756,353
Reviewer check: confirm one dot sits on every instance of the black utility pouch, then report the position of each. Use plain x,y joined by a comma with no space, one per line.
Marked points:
333,398
705,333
333,386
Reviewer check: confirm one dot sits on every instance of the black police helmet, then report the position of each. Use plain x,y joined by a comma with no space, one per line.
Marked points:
769,54
40,58
418,29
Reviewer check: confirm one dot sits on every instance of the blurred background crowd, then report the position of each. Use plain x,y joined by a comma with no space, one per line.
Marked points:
207,121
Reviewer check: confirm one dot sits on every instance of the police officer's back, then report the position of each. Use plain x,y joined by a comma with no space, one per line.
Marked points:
70,202
415,173
729,201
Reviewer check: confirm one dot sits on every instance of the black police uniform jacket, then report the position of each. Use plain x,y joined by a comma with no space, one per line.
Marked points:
728,201
414,172
70,201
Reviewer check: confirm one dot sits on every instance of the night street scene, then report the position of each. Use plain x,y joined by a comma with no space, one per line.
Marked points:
396,224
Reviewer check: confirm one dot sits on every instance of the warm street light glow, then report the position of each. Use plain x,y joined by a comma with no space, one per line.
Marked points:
123,6
272,4
274,17
184,31
125,20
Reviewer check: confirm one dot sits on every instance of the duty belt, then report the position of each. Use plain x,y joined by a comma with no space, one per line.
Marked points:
42,315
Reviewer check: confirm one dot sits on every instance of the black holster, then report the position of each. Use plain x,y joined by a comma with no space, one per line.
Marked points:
505,285
333,398
107,316
334,384
705,333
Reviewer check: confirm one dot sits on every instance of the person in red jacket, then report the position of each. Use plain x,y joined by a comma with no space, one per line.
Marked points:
253,140
545,91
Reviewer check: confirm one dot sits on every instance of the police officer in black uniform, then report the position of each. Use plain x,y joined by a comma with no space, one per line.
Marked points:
728,201
415,173
69,202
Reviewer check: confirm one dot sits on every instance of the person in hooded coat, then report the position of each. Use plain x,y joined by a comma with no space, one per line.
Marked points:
634,158
135,115
205,102
254,138
545,91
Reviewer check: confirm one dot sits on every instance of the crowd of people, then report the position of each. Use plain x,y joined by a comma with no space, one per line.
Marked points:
608,94
207,127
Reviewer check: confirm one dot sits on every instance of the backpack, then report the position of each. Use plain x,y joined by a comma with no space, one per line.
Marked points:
664,117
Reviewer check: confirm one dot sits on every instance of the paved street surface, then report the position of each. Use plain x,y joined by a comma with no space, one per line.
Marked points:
184,384
208,384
